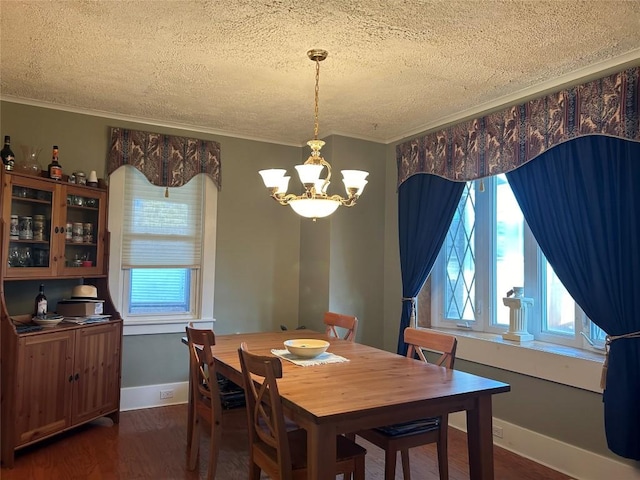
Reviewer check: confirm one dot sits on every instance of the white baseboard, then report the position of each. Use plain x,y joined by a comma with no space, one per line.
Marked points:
573,461
148,396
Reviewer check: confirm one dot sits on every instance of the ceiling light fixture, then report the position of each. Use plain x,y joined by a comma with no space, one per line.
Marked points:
314,202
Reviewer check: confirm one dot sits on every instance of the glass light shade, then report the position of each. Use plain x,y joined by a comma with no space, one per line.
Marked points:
357,185
283,185
314,207
272,177
356,176
309,173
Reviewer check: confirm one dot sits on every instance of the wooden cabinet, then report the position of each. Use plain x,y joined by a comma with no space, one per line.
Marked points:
57,378
60,228
65,378
96,373
42,397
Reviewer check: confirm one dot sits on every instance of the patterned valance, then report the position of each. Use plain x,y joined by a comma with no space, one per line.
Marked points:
502,141
166,160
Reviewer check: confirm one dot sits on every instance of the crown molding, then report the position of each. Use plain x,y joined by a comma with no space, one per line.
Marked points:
143,120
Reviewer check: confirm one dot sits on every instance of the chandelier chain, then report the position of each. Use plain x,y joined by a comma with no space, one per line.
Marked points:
315,124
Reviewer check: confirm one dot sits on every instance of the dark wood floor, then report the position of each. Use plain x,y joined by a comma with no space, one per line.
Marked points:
150,444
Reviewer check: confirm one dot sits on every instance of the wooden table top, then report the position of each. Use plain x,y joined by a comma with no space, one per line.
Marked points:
373,383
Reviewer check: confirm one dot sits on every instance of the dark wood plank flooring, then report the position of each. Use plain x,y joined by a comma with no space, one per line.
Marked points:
151,443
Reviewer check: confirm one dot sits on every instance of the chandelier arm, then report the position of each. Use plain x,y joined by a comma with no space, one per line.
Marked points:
345,202
286,199
326,164
327,179
348,202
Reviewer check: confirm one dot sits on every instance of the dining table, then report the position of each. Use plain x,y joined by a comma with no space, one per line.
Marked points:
372,388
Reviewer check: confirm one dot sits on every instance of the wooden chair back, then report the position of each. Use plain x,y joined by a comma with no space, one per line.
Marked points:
282,453
419,340
401,437
348,323
264,411
204,396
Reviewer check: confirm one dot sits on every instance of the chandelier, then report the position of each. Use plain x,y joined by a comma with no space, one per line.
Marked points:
314,202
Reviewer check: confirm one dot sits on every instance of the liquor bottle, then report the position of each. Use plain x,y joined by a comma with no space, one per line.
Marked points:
55,170
8,158
41,303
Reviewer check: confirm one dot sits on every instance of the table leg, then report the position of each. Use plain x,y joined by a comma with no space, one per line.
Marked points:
321,452
480,440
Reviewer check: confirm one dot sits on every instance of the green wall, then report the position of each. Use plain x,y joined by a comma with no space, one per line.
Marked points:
274,268
341,257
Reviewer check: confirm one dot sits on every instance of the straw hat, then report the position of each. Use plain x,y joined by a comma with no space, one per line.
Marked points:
84,291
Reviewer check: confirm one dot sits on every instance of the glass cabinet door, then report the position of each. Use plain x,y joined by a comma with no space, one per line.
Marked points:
83,222
29,209
52,229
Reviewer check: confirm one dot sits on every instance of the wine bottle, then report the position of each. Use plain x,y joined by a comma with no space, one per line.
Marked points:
8,158
55,170
41,303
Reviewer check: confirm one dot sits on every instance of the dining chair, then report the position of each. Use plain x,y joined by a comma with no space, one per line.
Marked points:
282,454
348,323
204,398
401,437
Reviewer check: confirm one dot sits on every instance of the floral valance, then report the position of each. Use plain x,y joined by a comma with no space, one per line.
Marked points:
504,140
166,160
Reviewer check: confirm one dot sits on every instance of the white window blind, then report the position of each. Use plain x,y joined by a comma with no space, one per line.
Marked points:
161,231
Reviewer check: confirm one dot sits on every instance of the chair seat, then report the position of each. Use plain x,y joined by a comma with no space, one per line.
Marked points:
410,428
298,448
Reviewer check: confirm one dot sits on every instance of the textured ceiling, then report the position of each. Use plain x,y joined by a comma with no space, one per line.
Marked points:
239,67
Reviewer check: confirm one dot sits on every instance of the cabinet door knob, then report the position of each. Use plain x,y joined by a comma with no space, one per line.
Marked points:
77,376
57,230
70,378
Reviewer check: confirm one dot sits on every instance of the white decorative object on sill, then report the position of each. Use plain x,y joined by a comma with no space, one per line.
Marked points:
518,307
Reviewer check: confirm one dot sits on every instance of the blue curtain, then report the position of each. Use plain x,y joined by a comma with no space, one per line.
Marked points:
582,202
426,204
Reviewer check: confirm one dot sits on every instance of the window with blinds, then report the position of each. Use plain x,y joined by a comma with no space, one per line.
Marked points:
161,245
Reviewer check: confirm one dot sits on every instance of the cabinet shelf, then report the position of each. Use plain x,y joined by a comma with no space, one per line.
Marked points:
30,242
30,200
82,207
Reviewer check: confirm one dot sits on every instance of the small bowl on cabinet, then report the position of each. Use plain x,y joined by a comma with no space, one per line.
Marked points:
50,320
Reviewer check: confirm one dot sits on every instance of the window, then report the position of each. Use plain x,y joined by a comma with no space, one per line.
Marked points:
488,250
160,291
157,251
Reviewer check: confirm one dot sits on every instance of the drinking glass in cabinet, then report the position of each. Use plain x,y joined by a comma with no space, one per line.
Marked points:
24,257
22,192
40,257
14,256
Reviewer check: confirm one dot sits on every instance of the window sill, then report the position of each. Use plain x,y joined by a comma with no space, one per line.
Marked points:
140,327
566,365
